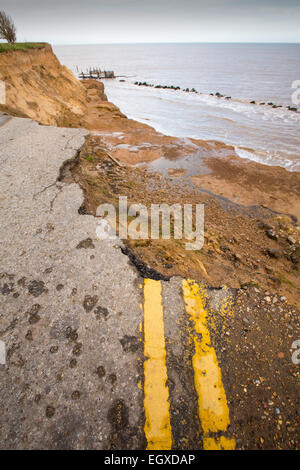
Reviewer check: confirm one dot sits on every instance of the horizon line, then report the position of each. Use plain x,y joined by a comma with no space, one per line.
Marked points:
172,42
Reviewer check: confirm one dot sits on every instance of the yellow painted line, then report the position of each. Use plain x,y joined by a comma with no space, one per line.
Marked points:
218,443
156,394
212,404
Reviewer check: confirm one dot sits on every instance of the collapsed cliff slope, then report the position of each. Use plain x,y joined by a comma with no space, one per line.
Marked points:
39,87
250,225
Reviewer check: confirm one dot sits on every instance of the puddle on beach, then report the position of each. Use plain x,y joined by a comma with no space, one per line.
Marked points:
183,168
188,165
134,148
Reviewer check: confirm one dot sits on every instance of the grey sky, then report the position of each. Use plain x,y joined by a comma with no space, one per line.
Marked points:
114,21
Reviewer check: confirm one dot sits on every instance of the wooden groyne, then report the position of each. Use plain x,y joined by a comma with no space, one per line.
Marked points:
96,73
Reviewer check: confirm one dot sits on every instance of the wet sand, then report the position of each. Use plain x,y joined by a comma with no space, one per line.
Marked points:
244,244
212,166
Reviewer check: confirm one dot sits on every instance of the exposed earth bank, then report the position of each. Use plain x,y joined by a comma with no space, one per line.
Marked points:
73,309
252,210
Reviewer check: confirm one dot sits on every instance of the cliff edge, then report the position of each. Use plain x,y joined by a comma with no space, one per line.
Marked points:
39,87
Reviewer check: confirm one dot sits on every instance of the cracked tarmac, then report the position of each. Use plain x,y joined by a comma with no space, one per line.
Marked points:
78,356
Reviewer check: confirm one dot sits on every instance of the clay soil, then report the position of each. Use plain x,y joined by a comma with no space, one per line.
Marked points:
245,244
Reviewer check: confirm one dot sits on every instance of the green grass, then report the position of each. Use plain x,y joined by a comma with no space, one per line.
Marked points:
21,46
285,280
89,158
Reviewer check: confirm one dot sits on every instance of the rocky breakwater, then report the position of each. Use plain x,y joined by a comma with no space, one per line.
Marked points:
216,95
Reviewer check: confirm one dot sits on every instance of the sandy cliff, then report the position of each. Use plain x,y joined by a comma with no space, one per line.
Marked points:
252,231
39,87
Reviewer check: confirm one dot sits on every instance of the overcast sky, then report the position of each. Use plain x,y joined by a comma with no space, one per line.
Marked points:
122,21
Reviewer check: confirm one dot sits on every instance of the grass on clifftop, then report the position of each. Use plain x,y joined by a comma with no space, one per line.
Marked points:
21,46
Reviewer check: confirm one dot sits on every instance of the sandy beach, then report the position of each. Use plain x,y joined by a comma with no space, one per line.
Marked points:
248,201
85,321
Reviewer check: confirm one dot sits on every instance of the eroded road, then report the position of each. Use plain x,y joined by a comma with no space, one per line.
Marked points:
98,357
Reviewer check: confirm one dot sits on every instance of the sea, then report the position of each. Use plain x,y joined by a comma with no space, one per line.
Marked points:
239,73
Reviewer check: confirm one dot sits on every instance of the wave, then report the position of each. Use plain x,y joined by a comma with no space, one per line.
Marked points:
266,158
242,107
223,100
259,133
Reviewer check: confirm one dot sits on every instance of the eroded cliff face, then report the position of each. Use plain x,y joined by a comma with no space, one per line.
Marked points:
39,87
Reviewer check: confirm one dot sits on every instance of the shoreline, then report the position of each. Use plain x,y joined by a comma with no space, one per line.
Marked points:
75,309
220,169
251,230
256,150
193,170
219,96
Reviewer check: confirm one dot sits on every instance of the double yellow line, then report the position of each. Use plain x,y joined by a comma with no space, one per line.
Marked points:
212,404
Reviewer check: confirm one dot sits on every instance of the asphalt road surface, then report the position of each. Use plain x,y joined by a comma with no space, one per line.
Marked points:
93,356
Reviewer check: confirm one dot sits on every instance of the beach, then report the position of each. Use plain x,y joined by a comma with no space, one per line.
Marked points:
237,94
245,198
104,337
